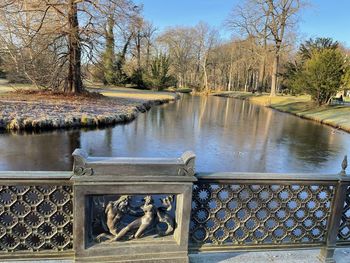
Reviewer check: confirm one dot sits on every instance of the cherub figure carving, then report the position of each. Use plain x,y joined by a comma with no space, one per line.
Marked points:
164,217
114,211
143,222
149,218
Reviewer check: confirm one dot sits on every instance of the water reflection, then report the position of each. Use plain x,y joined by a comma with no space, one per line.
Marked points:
226,134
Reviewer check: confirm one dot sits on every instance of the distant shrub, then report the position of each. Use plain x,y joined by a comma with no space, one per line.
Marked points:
159,76
323,74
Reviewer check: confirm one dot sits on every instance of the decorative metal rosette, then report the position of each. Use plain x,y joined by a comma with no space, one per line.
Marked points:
242,214
36,218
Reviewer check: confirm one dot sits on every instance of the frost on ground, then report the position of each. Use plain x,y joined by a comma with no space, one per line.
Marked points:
28,110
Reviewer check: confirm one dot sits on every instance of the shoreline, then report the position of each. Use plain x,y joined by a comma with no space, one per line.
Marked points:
32,112
336,116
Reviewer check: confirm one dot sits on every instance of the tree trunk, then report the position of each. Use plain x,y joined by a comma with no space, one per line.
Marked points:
229,86
109,55
251,81
205,79
74,82
205,75
274,80
261,74
247,79
233,86
138,49
148,54
229,81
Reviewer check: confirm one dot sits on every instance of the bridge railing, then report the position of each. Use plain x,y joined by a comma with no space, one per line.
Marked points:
252,211
36,214
49,214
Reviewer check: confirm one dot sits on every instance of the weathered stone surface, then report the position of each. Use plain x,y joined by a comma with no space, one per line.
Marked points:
104,166
301,256
149,178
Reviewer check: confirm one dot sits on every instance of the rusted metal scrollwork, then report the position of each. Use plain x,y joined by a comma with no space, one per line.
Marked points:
248,214
119,219
36,218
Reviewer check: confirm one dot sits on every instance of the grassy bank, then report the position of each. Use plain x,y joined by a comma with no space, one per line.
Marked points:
234,94
337,116
32,110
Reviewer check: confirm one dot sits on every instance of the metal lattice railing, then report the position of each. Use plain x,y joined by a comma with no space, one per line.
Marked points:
241,214
344,228
229,211
36,215
36,218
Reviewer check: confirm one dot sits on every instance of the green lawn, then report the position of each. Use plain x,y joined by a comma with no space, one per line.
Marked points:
335,115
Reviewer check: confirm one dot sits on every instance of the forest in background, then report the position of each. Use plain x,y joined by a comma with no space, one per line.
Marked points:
59,43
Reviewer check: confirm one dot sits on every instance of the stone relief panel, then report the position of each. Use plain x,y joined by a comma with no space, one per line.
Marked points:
129,217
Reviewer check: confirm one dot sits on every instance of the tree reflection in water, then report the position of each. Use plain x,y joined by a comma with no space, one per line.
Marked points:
226,134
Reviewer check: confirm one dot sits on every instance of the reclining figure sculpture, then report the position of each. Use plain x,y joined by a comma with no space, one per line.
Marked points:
148,218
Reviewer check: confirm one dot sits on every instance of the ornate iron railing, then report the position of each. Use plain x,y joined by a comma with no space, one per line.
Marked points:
241,214
235,211
230,211
36,213
344,229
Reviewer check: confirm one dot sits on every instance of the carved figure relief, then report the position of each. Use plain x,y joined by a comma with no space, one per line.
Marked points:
121,219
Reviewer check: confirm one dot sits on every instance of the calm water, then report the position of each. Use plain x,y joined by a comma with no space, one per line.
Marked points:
226,134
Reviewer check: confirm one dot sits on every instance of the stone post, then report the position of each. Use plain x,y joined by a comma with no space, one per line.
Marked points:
132,209
327,252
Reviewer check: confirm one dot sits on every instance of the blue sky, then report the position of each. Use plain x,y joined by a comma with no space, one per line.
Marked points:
326,18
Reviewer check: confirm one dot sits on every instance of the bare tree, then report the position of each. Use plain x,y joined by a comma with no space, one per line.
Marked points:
178,42
267,21
251,21
69,29
205,38
121,20
281,15
149,31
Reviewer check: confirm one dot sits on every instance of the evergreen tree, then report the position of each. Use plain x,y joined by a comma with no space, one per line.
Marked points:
323,74
109,55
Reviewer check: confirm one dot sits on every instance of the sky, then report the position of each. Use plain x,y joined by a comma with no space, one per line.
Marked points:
322,18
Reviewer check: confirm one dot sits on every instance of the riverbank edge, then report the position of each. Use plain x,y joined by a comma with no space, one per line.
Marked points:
254,99
85,121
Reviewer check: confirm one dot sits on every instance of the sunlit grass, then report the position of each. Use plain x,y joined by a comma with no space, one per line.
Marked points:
335,115
237,94
128,93
6,87
110,91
